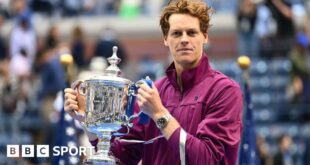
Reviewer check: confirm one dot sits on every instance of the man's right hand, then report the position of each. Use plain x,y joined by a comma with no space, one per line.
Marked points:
74,104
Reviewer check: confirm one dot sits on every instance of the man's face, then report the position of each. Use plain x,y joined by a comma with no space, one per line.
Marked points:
185,40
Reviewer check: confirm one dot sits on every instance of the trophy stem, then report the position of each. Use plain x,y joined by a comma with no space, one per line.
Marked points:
102,156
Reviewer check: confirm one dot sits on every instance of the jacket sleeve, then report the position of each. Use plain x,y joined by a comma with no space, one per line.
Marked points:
218,134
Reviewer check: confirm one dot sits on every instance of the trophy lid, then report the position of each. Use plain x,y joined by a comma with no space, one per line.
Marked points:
113,69
113,72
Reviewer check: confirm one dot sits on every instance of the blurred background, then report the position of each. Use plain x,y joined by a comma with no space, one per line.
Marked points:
275,34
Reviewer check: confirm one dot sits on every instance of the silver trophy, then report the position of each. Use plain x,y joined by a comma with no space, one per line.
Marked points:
104,111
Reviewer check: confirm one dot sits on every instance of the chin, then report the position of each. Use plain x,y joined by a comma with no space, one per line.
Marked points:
186,62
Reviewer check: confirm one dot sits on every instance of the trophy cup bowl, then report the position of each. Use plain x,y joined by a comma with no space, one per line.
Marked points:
104,111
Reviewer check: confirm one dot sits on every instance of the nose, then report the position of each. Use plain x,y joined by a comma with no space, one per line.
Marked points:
184,39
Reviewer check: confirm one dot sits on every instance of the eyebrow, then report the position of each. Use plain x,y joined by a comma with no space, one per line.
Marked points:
178,29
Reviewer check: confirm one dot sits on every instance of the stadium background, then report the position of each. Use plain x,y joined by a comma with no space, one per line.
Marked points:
29,114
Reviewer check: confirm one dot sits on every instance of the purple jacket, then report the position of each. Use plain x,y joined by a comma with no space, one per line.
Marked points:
209,111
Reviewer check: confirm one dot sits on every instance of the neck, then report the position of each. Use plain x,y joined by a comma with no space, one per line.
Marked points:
179,71
180,68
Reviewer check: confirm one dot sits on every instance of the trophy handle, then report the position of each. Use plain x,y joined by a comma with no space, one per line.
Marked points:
131,98
79,86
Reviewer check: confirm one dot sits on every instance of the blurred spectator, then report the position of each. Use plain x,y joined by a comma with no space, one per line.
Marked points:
284,156
20,67
19,7
247,39
23,36
9,102
299,16
42,6
4,74
78,47
72,7
306,156
111,7
89,7
105,44
266,28
300,73
49,66
282,11
263,151
20,75
3,47
99,7
52,77
52,38
4,8
8,95
52,74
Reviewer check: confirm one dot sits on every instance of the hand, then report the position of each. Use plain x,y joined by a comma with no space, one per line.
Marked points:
149,101
74,104
124,99
75,107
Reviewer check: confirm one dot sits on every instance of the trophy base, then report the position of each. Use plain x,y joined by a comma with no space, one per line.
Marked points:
100,160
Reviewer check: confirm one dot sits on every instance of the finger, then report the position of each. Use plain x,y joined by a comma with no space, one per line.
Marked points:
124,104
153,86
70,96
139,102
148,89
143,93
141,99
70,90
68,102
71,112
71,107
144,87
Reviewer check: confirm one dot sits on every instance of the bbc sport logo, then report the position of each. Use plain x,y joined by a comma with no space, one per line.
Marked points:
26,151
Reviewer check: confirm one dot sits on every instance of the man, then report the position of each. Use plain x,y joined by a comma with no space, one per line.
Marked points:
197,109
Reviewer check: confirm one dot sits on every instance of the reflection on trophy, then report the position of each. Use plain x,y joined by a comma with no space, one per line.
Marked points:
104,113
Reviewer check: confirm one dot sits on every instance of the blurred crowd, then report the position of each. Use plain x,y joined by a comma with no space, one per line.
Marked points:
73,8
31,74
126,8
278,28
272,29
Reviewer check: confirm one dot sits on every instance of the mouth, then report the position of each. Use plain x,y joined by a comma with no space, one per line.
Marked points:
184,50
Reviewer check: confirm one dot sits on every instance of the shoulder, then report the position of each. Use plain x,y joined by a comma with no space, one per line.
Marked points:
221,88
221,81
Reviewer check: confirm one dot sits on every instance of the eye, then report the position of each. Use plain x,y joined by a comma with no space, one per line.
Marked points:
176,33
191,33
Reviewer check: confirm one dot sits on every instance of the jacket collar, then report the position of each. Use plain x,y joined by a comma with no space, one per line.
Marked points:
189,77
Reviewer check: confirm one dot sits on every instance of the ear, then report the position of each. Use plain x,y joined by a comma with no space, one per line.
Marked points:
206,40
165,41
